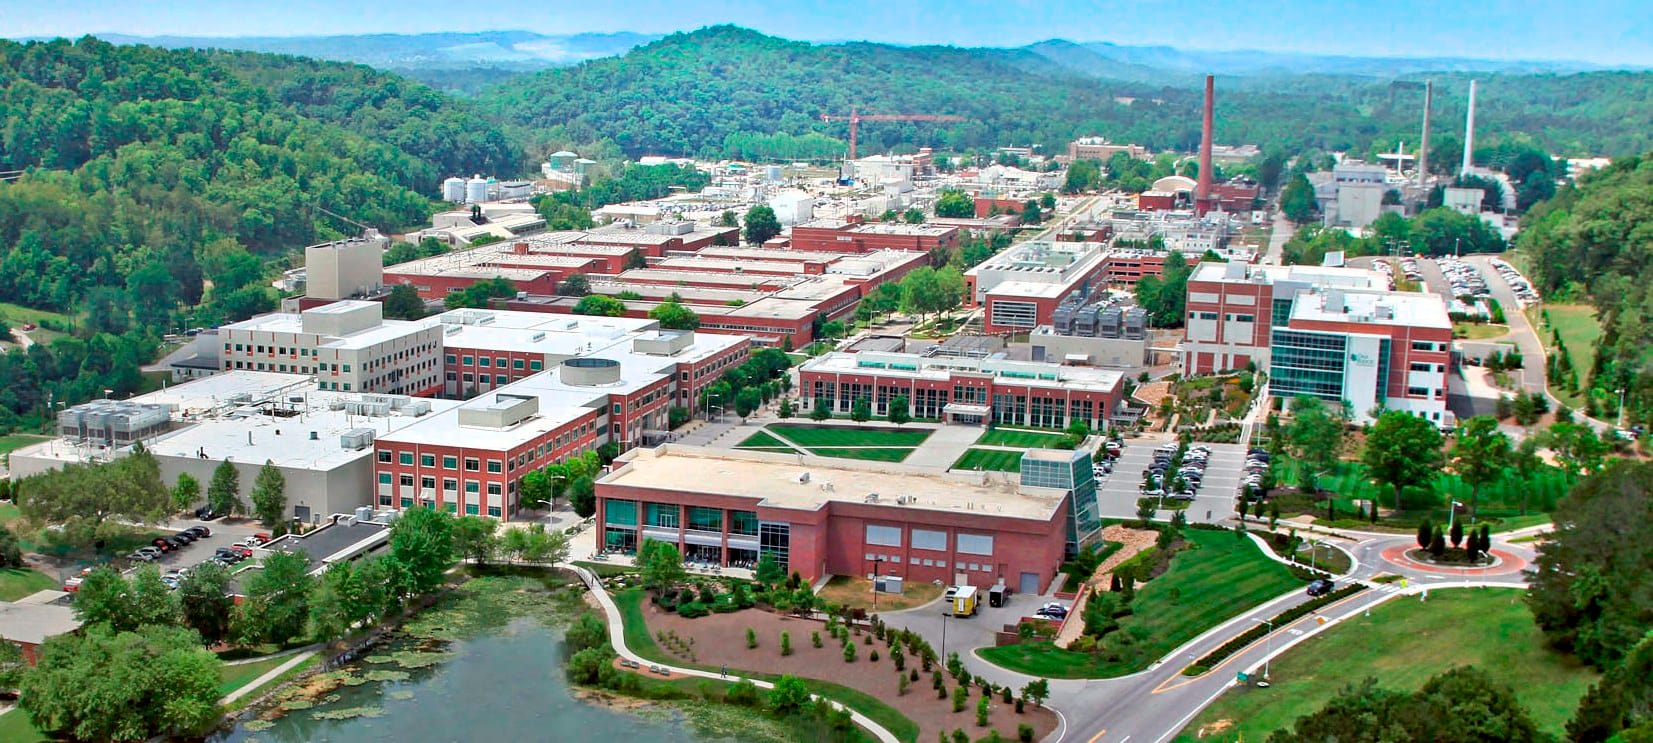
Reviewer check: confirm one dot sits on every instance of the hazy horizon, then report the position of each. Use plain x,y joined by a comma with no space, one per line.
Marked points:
1610,32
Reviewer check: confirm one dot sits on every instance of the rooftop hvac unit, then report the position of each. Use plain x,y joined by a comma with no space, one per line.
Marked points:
356,439
1136,323
368,408
1084,323
335,404
240,397
416,408
1112,323
1062,318
364,513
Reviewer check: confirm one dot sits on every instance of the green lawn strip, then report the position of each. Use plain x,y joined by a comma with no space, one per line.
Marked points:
13,441
17,315
1479,331
1402,644
1579,330
16,727
15,583
871,455
1215,578
762,440
605,570
265,688
848,436
990,459
234,677
641,642
1020,437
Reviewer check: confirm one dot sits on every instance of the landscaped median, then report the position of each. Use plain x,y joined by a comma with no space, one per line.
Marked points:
843,442
1259,631
1214,576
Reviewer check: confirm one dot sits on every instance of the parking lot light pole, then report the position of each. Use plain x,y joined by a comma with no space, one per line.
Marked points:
1268,652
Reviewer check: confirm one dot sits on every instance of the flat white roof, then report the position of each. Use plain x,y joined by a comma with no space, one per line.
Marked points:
1410,309
290,322
1033,373
776,480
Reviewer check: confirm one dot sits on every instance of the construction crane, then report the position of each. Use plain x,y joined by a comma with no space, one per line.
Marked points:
856,117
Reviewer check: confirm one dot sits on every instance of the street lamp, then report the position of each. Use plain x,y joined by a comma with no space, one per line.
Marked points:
1268,652
876,561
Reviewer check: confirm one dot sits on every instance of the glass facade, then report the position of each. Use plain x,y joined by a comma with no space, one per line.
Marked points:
1071,472
743,523
1307,363
663,515
705,519
1280,313
621,513
775,538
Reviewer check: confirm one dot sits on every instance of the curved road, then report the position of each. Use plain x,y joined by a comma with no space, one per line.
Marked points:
1152,706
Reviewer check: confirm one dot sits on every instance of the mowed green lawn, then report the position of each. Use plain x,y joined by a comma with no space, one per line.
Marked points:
1214,579
1579,329
234,677
1402,644
15,727
990,459
1021,437
15,583
13,441
809,437
762,440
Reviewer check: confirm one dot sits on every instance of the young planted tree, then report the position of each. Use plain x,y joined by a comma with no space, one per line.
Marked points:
224,492
898,413
861,411
186,493
1402,450
270,494
1426,534
1479,455
1314,438
821,410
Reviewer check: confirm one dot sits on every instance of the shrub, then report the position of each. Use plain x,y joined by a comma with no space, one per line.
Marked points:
692,610
981,713
751,638
1024,733
786,643
1020,705
725,607
1257,631
913,674
961,695
959,736
743,693
941,691
849,652
1007,697
935,681
905,684
873,656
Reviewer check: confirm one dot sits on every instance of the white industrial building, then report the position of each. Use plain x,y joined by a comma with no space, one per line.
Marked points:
346,346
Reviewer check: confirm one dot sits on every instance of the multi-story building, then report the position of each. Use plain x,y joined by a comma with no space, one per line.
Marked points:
965,390
605,381
1021,287
853,236
1099,148
821,517
346,346
1335,333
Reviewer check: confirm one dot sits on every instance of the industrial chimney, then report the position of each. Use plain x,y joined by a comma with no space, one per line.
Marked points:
1469,132
1423,148
1202,193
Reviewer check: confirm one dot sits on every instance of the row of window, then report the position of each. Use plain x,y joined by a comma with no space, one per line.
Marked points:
500,362
929,563
449,485
471,509
280,350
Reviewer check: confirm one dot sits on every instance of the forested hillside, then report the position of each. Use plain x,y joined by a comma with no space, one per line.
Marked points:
1595,241
713,91
160,183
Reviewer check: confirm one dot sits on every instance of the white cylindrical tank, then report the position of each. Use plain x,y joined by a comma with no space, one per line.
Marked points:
476,190
453,189
772,173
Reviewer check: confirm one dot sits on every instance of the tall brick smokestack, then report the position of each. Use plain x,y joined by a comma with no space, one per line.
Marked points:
1202,194
1423,148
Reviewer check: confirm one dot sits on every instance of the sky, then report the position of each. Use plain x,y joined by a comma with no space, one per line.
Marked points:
1615,32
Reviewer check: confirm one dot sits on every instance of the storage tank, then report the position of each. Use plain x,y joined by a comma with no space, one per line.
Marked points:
453,189
772,173
476,190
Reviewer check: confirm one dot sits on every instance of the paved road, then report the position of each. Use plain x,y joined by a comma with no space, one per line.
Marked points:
1153,706
1521,331
1117,493
1277,240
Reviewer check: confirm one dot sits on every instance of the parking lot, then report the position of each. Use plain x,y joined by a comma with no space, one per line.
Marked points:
224,533
1118,492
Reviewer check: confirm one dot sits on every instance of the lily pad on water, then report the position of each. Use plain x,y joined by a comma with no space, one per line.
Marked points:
386,675
257,725
401,694
297,704
348,713
409,659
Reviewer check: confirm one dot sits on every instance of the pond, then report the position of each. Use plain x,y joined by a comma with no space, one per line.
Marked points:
503,681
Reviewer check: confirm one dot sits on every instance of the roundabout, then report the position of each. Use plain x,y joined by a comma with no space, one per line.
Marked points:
1503,562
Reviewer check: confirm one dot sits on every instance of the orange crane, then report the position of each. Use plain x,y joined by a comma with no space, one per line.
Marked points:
856,117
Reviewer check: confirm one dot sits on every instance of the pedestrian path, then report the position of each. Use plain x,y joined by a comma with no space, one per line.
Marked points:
269,676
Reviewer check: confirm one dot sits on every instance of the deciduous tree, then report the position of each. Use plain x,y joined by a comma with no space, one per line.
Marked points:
270,494
101,684
276,607
224,493
421,540
761,224
1402,450
1480,454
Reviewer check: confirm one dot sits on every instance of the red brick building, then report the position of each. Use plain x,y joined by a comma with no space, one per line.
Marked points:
851,236
834,517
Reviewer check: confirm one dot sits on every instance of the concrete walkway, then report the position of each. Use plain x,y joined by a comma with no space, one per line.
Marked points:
944,447
617,635
267,677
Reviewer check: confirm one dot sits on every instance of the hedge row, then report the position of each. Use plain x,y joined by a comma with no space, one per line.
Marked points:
1257,632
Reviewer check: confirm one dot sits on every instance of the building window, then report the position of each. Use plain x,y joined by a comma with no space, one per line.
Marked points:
450,462
468,361
516,363
500,362
975,544
483,361
427,460
452,359
472,487
450,485
493,488
775,538
427,482
705,519
384,456
924,539
662,515
472,464
883,536
384,478
405,457
743,523
500,379
536,365
406,481
494,466
1014,314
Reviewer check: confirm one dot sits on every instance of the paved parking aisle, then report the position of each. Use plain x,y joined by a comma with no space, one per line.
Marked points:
1117,493
223,534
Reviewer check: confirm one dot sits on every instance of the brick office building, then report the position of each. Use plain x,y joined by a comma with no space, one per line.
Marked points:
824,517
851,236
1021,287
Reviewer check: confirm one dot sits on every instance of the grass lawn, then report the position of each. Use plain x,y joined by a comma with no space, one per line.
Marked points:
870,455
638,639
18,315
1402,644
990,459
762,440
1579,329
286,676
15,727
809,437
9,513
1021,437
1478,331
13,441
1217,577
856,592
15,583
231,677
1500,502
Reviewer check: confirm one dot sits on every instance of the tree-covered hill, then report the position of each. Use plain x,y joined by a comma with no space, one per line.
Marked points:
713,91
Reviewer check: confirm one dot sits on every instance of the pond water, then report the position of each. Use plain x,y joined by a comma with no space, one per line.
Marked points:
504,685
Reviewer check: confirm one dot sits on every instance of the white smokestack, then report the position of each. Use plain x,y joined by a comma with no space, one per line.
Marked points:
1469,131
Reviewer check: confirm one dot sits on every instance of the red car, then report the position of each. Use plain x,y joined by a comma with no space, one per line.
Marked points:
163,545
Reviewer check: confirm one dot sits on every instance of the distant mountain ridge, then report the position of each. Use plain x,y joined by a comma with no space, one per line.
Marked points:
510,49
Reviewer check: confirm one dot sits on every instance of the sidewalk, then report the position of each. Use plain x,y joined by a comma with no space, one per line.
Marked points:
269,676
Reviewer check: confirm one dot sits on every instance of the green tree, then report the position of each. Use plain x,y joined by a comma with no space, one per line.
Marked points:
186,493
90,501
785,410
1480,454
1462,705
270,494
1593,587
955,204
576,285
769,572
276,607
788,696
203,597
660,565
761,224
476,538
105,598
821,410
1621,700
329,611
600,305
1402,450
1297,199
536,491
913,215
151,601
481,293
672,315
1031,213
421,540
404,303
1037,692
1314,438
582,495
898,413
747,401
101,684
224,492
861,410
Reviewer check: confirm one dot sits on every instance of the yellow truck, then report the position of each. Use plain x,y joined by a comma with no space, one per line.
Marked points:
964,601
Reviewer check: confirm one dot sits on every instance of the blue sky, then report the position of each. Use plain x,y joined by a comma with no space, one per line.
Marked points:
1602,31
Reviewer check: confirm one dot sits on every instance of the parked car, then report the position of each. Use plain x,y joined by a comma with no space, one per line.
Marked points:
142,556
186,536
205,513
176,542
163,545
200,532
1321,587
